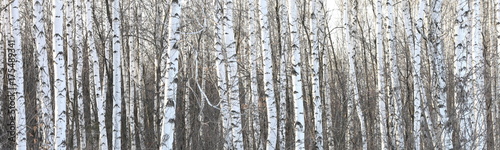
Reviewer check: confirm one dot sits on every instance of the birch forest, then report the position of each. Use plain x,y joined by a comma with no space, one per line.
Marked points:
250,74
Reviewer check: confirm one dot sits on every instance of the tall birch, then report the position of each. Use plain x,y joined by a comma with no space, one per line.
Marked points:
479,102
272,136
70,76
395,100
232,72
296,73
18,84
101,103
254,97
117,99
283,25
60,76
384,143
172,68
79,73
461,98
318,107
439,76
43,93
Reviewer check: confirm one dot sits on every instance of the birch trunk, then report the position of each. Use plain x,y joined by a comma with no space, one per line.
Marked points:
296,75
132,82
60,75
384,142
79,74
117,94
350,32
395,102
232,72
272,132
43,92
18,84
70,76
479,102
283,24
254,98
99,97
318,107
461,46
171,85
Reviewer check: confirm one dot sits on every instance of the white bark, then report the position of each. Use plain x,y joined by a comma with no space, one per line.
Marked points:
132,83
232,72
99,97
384,142
60,76
461,98
439,82
479,102
397,132
117,99
19,78
70,28
283,12
220,61
296,75
417,61
318,107
79,73
350,32
172,68
272,132
254,97
43,88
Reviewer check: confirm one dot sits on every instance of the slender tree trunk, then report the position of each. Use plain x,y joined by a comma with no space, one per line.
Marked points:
70,76
479,102
99,97
384,142
283,25
461,53
397,132
79,74
272,132
296,72
172,67
60,75
318,107
232,72
18,77
117,94
254,97
350,23
43,93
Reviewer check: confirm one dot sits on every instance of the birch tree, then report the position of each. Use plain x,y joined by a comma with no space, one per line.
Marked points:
173,67
254,97
18,85
283,25
439,80
479,102
43,93
318,107
350,29
296,75
116,75
82,141
101,103
60,75
272,131
384,143
395,100
232,72
461,45
70,80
